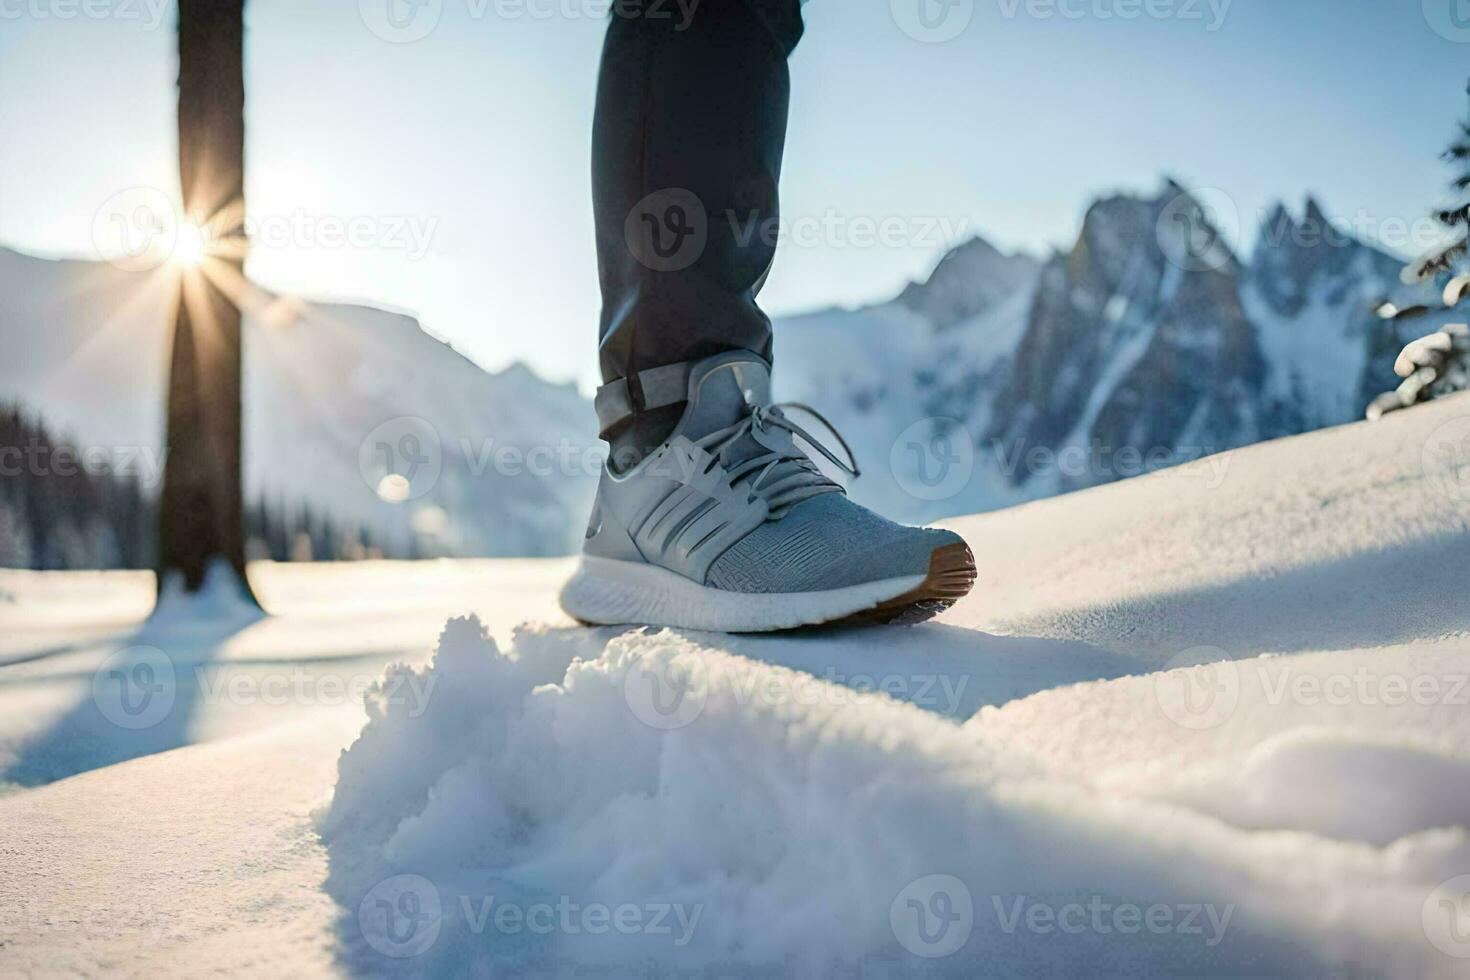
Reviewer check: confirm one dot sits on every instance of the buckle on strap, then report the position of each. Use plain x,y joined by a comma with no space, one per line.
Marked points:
656,387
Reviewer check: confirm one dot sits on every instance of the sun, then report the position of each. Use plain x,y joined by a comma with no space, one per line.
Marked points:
192,246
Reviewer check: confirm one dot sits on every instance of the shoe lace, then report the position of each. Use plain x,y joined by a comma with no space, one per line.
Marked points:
794,477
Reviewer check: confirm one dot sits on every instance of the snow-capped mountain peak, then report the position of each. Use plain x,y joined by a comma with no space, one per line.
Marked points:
970,280
1150,342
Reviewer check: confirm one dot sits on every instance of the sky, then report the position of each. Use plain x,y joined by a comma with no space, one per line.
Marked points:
458,160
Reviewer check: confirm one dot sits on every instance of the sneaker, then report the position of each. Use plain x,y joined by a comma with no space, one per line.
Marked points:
730,526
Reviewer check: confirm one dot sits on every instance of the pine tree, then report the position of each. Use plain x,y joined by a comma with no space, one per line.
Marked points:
1438,363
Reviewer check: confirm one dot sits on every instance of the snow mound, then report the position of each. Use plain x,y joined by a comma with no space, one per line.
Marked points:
1340,785
591,800
220,603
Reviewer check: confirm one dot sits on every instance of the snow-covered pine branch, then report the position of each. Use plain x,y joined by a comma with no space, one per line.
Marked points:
1437,363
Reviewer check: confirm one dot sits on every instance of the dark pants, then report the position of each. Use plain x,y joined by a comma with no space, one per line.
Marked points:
686,157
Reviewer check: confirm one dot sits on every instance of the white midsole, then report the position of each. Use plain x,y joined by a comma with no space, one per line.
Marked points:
609,592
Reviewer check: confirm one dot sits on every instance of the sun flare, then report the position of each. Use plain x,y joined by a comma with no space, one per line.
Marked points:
192,246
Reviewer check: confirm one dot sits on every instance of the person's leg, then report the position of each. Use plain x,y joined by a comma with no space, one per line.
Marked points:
687,144
711,515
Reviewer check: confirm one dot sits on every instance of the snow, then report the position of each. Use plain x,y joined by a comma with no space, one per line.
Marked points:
1209,723
1316,358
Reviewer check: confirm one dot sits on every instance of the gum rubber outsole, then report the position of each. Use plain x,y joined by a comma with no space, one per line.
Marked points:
951,576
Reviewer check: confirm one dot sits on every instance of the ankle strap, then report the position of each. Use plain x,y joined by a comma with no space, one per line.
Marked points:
656,387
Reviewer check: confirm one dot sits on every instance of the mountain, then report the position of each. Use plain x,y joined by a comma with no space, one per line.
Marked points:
1307,288
356,411
1148,343
971,279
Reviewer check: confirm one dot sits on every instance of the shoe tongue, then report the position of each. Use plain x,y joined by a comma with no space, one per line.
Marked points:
726,393
723,395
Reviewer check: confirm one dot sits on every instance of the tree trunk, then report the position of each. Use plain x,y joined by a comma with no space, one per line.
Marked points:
201,513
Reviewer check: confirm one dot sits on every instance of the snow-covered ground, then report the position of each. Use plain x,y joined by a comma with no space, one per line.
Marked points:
1209,721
